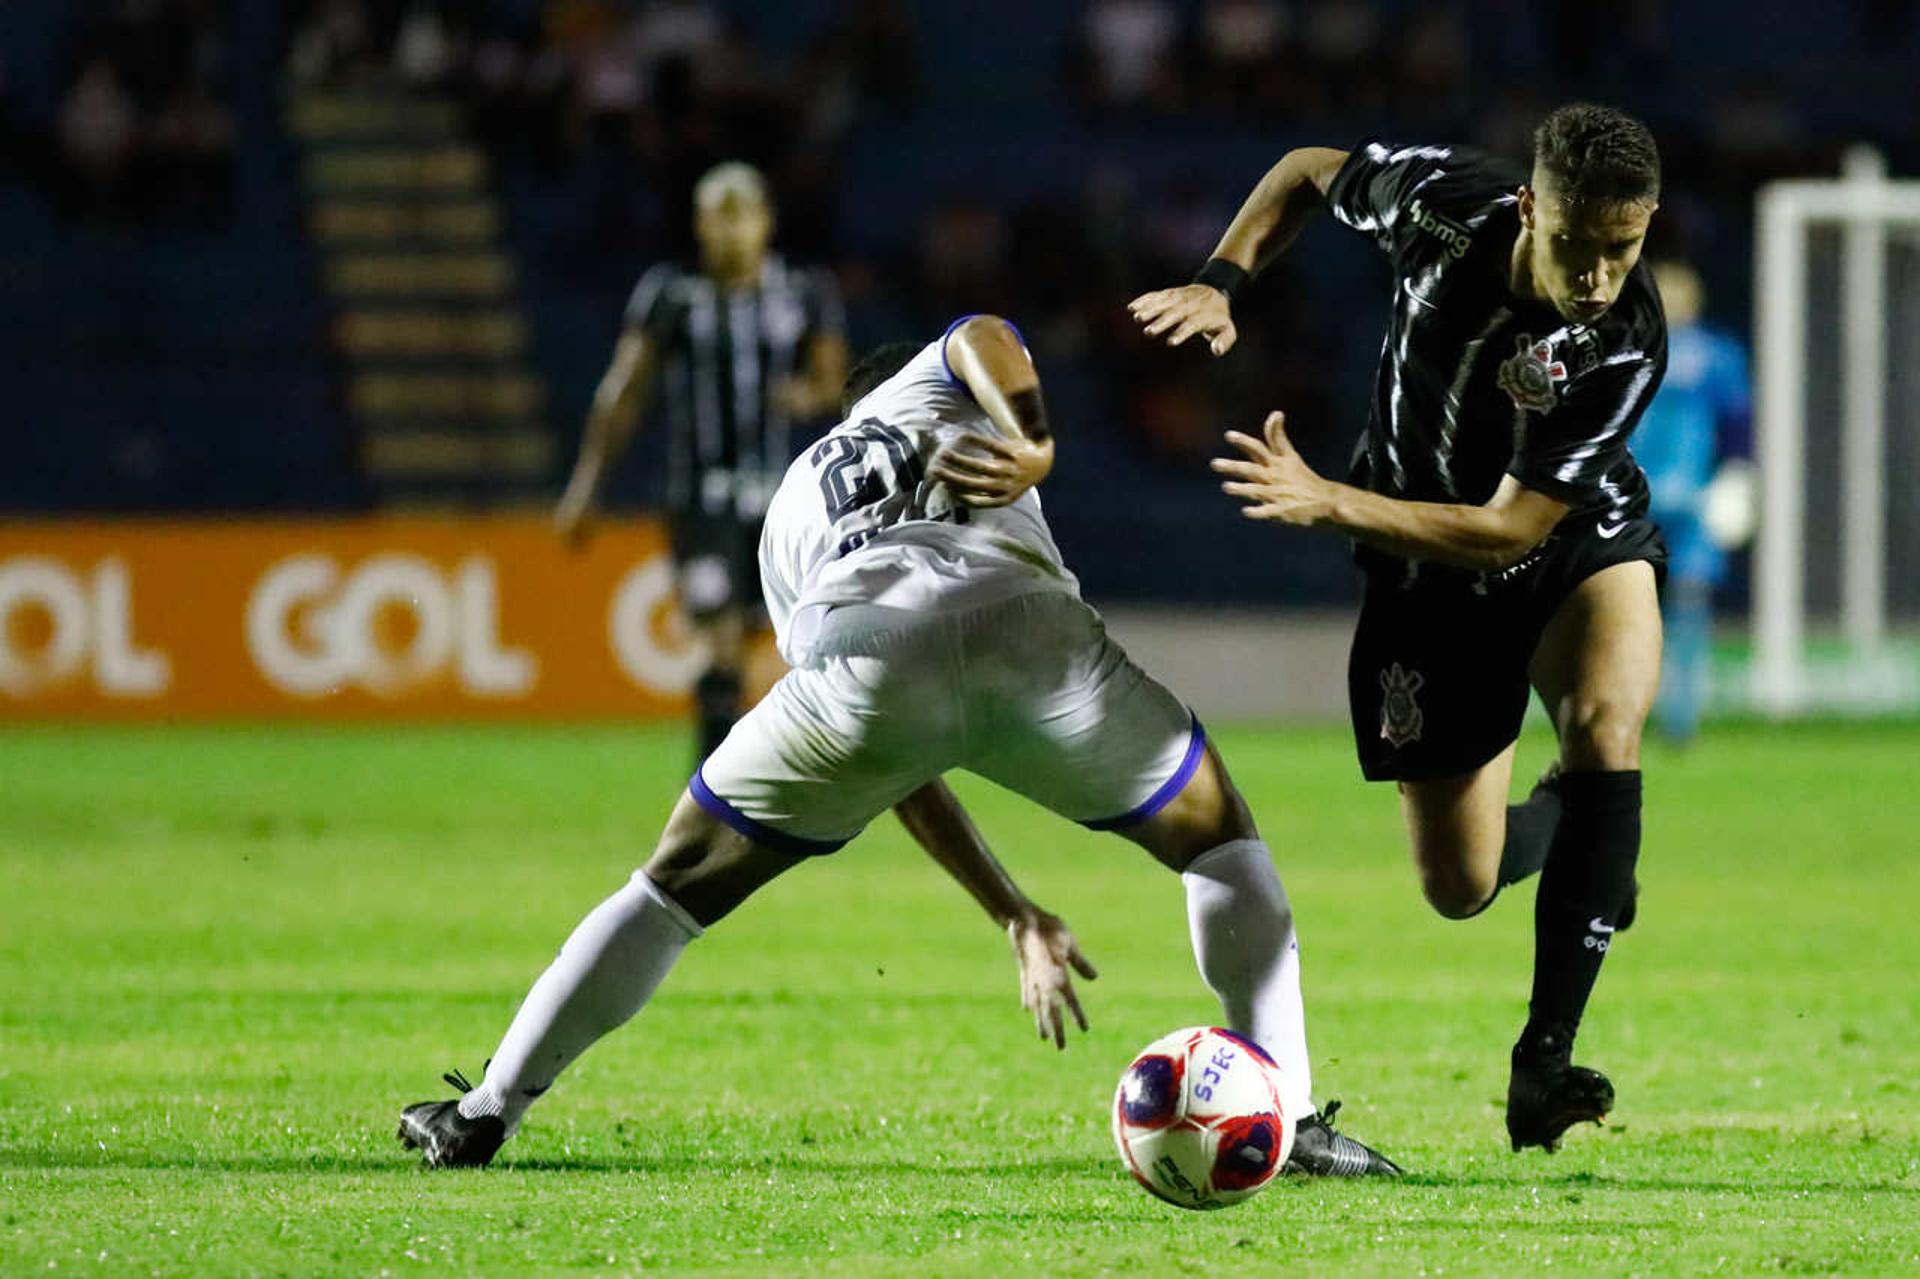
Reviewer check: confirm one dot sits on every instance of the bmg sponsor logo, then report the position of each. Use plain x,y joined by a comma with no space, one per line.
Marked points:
1450,233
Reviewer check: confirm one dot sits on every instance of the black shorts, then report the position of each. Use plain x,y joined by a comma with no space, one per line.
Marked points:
1437,679
716,561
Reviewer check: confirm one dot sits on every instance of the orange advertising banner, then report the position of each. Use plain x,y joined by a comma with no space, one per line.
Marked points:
363,618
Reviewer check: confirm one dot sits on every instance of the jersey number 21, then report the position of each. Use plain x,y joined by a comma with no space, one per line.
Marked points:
873,471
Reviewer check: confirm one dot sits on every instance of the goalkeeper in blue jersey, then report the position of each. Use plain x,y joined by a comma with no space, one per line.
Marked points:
1693,444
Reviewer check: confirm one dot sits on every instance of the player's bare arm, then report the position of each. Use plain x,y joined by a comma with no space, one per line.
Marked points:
618,403
1042,942
986,470
815,390
1277,484
1269,220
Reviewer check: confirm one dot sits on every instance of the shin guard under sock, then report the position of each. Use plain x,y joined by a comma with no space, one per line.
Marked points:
1587,881
1530,830
603,975
1243,938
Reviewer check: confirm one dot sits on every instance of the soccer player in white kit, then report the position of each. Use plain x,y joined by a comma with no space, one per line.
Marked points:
917,593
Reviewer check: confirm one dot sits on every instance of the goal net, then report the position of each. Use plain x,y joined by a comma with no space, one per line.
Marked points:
1836,589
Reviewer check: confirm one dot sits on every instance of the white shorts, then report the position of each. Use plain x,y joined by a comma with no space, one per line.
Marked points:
1029,693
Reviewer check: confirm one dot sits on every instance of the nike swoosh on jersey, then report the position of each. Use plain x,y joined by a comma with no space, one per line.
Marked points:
1610,530
1599,925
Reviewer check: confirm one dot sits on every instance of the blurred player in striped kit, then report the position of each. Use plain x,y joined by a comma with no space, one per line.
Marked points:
1693,444
747,348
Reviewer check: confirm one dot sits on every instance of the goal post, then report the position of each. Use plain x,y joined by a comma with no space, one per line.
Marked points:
1865,211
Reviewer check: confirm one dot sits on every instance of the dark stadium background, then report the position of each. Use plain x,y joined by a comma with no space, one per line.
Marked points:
167,343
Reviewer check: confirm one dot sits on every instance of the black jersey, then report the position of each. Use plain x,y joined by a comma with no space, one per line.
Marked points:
722,354
1474,383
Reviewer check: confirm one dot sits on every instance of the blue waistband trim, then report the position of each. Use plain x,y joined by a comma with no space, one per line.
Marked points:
757,831
1190,764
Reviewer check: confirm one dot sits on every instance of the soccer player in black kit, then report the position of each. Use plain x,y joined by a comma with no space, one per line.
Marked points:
748,348
1499,519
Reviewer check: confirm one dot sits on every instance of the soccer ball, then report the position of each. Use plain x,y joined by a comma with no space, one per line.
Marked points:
1198,1118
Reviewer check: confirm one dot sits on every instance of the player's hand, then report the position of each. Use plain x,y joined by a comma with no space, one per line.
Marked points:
1045,947
1188,311
573,518
795,397
990,470
1272,478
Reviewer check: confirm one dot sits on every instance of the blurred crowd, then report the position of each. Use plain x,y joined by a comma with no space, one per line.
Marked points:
620,104
142,134
629,102
1480,71
1266,59
1066,265
600,113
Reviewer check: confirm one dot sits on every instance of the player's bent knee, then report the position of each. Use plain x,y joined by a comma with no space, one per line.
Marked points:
709,868
1207,813
1601,735
1457,894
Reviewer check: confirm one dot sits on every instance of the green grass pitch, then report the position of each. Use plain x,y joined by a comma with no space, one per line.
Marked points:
228,956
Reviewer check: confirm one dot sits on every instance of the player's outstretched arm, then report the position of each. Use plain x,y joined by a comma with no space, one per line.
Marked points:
987,355
618,403
1277,484
1042,943
1267,223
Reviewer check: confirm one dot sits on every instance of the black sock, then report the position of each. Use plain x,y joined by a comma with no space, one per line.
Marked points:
1530,831
1587,880
717,697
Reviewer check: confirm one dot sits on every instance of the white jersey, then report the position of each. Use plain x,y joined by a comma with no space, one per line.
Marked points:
856,521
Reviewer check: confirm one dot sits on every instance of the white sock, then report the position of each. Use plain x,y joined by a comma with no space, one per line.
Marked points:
605,973
1244,941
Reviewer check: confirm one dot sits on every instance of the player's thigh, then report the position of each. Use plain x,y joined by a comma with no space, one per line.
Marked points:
1597,666
832,745
1457,828
707,866
1057,712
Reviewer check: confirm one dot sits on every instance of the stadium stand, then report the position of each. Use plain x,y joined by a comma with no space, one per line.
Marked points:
218,351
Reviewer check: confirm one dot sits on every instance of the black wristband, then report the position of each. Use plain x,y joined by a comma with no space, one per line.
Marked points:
1223,275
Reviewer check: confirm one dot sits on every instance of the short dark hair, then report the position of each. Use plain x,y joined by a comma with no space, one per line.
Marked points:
873,368
1598,154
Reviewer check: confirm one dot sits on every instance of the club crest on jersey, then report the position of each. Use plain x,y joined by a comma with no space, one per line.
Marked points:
1400,717
1532,377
